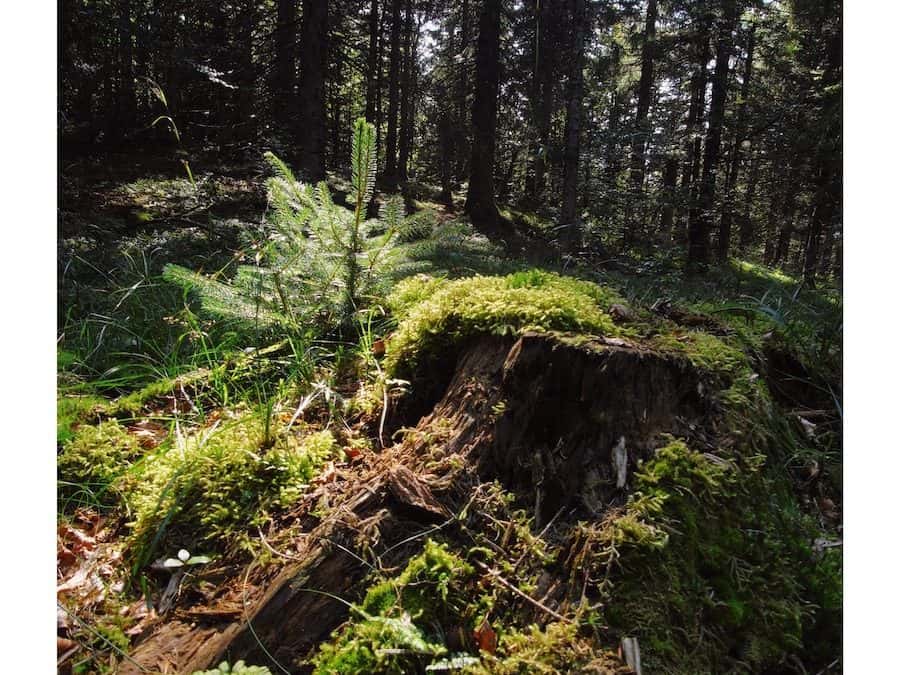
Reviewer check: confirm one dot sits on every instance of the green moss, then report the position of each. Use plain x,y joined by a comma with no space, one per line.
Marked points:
698,544
398,629
74,410
209,486
93,463
225,668
434,316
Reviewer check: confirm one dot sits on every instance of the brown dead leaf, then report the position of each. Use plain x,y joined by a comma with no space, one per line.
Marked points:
378,348
149,433
486,637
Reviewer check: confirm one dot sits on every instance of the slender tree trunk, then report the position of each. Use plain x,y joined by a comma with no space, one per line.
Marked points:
462,95
546,19
641,132
699,227
670,186
746,235
740,129
691,167
391,177
570,236
480,205
407,98
372,64
445,139
285,61
246,74
313,131
826,200
126,101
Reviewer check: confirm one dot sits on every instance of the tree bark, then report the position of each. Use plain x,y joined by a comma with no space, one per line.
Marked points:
641,132
406,119
390,176
313,131
570,233
372,63
670,185
246,75
126,100
699,227
747,231
480,205
691,168
285,60
740,129
546,19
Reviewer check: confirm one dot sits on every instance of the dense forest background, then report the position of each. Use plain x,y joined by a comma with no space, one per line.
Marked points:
704,128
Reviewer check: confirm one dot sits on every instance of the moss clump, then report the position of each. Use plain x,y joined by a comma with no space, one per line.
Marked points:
401,618
434,316
209,486
225,668
558,648
74,410
95,460
696,543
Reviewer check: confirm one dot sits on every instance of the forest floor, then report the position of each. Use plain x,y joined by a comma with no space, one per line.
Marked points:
518,463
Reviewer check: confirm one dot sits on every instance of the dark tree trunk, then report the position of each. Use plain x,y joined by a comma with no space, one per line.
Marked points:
826,201
670,185
126,101
462,95
445,139
285,61
740,128
372,63
245,72
313,130
546,19
390,177
570,234
480,205
691,167
747,233
406,102
641,132
699,227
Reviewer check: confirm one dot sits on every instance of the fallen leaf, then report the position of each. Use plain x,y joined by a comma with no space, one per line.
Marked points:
486,637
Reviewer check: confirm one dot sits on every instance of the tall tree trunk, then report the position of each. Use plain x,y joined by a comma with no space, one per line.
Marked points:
480,205
462,95
445,140
699,227
285,61
740,129
691,167
407,98
126,101
390,170
546,19
747,231
670,185
372,62
826,201
570,233
641,132
313,130
246,74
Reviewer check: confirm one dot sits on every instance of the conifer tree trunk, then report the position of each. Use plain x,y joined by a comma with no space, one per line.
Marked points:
480,205
670,182
445,139
406,100
691,167
699,227
245,75
570,234
285,61
462,96
546,19
126,99
372,63
390,170
641,132
740,128
313,130
747,233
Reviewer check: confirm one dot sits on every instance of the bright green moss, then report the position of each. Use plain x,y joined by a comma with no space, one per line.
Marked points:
724,534
434,316
398,628
210,485
225,668
74,410
94,461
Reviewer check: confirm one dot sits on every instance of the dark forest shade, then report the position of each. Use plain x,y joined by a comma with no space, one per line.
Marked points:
620,119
